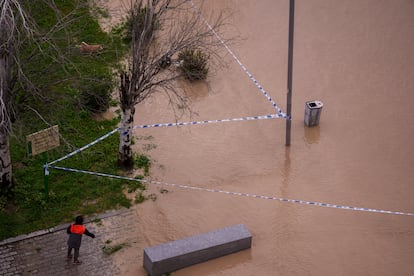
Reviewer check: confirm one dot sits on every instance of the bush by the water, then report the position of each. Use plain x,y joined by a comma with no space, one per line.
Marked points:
193,64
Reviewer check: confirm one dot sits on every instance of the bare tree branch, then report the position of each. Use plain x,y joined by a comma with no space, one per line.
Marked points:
19,33
160,30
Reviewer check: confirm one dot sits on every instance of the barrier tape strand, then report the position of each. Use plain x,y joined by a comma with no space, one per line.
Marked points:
295,201
84,147
252,118
244,68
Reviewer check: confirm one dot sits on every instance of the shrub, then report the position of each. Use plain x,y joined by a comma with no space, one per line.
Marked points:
110,249
143,162
125,29
96,95
193,64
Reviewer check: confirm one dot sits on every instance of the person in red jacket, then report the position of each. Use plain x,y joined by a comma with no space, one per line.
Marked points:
75,231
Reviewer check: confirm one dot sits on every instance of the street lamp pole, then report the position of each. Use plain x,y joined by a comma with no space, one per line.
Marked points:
290,69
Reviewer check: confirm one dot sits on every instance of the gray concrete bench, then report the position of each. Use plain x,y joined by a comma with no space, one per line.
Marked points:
169,257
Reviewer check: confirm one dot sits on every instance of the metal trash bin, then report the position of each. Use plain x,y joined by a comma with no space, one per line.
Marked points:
313,111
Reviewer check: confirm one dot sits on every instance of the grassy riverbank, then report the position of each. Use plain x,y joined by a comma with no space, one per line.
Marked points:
68,95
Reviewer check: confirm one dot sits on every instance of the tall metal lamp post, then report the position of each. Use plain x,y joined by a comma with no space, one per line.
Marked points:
290,69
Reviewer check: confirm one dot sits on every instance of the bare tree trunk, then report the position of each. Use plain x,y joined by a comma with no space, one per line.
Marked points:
6,57
5,161
125,158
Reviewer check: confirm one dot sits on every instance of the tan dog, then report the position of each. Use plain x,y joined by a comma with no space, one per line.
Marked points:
90,49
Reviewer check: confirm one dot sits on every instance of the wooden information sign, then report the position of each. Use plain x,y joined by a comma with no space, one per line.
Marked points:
43,140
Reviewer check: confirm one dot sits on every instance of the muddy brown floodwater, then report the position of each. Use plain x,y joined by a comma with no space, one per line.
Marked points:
355,56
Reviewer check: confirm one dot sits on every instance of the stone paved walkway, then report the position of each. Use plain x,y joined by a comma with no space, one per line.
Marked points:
44,252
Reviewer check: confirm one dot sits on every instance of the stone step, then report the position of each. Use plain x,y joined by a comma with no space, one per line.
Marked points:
171,256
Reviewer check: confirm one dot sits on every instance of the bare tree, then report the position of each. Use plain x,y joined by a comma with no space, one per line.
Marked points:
18,29
160,30
11,15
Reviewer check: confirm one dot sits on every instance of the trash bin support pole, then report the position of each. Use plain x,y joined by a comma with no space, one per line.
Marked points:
290,69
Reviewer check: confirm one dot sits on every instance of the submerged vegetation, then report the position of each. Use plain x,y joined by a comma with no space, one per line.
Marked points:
194,64
110,248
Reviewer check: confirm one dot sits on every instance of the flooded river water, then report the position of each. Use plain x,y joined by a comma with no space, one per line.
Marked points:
356,57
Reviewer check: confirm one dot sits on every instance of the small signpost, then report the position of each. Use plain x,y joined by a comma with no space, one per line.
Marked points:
41,142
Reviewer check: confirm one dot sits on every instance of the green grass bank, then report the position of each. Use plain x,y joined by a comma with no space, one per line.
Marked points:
70,88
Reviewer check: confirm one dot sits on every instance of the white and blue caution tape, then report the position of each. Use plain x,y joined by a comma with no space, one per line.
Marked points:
252,118
84,147
295,201
251,77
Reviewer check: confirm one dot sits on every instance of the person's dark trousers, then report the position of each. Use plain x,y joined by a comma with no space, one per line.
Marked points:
75,257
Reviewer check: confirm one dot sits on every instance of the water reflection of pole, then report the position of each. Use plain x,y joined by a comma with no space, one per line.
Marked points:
286,172
290,69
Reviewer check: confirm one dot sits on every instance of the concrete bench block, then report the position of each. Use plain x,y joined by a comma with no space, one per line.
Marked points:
171,256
